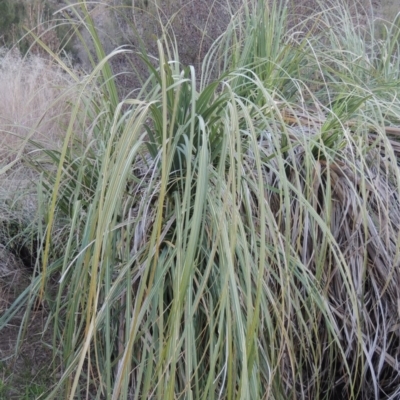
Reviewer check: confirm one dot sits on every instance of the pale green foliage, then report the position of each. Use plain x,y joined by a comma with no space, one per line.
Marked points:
230,238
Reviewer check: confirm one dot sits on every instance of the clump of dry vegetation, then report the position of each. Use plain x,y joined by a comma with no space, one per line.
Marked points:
29,105
230,229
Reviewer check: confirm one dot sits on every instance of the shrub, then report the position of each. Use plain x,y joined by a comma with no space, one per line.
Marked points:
12,13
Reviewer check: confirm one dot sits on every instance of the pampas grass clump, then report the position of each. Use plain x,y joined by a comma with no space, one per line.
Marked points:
233,236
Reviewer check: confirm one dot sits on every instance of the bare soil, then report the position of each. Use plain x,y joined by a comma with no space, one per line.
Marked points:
25,355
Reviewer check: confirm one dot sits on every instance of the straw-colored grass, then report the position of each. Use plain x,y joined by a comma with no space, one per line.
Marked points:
29,88
231,237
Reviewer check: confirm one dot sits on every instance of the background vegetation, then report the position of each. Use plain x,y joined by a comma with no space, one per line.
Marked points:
228,228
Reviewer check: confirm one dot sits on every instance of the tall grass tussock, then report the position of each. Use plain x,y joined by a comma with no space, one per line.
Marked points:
228,232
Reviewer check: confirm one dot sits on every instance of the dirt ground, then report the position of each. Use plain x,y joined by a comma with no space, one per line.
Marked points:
25,356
